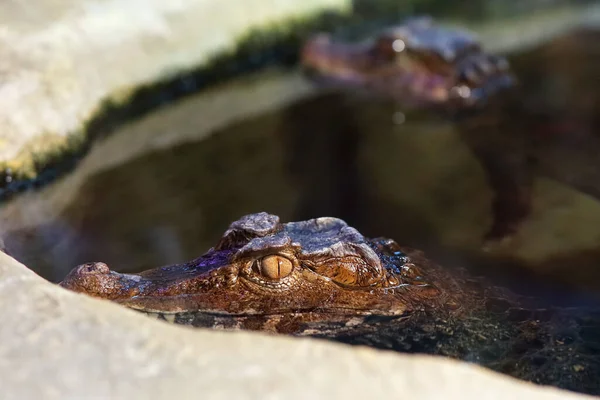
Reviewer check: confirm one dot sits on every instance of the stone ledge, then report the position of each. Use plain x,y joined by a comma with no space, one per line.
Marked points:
55,344
61,61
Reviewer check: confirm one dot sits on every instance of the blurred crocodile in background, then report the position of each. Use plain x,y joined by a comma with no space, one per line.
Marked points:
418,63
514,131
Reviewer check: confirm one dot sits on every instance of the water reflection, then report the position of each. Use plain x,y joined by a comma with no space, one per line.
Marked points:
323,141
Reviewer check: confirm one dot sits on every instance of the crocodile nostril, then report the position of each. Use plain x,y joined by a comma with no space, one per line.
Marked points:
93,268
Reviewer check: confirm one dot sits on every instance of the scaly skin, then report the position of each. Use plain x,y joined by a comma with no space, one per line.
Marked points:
417,63
323,278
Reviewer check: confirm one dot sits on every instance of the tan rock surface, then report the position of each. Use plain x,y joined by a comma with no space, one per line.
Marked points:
60,60
58,345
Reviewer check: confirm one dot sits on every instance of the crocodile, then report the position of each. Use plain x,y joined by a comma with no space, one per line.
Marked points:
420,64
322,278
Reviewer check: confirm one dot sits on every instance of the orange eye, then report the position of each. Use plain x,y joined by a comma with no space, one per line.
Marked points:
274,267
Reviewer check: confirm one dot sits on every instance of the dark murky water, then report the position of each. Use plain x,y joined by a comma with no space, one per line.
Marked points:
412,177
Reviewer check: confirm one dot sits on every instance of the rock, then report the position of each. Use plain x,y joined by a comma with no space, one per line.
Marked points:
55,344
60,60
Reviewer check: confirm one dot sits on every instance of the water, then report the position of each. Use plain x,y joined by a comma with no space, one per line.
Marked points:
413,177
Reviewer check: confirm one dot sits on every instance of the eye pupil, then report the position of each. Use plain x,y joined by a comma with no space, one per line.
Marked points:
275,267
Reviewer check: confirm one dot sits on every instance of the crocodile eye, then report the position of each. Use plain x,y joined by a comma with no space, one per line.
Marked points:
274,267
387,48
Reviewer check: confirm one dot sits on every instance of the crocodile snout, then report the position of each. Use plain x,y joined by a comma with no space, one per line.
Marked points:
97,280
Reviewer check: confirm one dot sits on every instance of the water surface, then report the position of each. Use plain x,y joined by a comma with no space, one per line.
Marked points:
388,172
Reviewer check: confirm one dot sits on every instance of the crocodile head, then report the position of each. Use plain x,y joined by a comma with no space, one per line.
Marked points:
417,63
320,269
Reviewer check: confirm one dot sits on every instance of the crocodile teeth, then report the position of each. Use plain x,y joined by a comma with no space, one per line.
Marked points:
153,315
